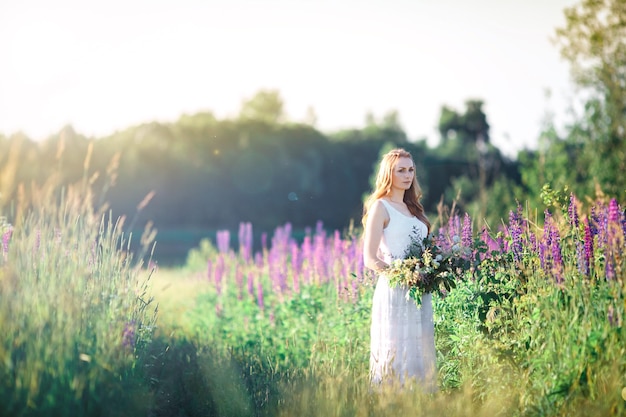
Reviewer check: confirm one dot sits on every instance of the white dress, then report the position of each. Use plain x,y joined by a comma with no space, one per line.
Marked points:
402,334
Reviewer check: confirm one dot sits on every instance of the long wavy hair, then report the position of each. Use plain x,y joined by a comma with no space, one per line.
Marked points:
412,196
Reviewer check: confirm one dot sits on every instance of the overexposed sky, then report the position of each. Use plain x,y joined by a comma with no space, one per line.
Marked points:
104,66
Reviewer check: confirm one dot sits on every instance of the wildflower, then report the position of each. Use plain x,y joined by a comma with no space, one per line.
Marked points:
129,334
466,233
610,313
546,228
223,241
556,255
613,211
245,240
492,244
542,253
614,318
38,242
572,211
588,246
6,237
609,269
515,231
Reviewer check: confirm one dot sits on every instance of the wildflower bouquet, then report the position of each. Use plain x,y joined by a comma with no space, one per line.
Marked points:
427,268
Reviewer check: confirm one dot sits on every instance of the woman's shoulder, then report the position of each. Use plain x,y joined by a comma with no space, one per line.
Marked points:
379,208
380,202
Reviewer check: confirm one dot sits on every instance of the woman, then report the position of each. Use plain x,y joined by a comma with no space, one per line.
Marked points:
402,334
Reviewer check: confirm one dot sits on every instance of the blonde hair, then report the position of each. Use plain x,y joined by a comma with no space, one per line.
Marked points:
384,177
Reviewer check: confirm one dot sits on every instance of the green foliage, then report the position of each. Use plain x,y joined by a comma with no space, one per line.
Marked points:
266,106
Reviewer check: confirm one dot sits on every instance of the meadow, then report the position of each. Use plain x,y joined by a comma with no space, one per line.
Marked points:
534,328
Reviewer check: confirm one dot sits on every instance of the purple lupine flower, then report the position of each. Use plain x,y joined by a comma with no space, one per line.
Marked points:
454,226
588,246
245,240
259,260
557,259
319,228
129,335
466,234
223,241
595,221
6,237
542,254
296,259
264,242
601,221
442,241
614,214
609,268
532,242
610,315
547,237
502,243
492,245
515,231
572,211
38,244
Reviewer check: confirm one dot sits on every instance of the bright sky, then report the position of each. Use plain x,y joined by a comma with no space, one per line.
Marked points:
104,66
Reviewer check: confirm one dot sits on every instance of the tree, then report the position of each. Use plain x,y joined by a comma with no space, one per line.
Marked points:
266,106
593,41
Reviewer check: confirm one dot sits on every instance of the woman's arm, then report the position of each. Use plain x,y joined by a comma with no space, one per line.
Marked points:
377,219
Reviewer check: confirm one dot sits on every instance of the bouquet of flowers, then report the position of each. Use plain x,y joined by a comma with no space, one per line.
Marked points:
427,268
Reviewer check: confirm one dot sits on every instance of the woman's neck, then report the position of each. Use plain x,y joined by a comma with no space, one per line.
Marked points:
397,197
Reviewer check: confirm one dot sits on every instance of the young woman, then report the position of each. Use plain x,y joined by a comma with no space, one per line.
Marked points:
402,334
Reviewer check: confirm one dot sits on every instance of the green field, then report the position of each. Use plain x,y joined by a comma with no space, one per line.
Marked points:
534,329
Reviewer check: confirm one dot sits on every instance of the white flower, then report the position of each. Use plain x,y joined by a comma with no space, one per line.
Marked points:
456,239
456,247
438,258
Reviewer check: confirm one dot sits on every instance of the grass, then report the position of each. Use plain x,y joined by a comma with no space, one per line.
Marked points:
536,330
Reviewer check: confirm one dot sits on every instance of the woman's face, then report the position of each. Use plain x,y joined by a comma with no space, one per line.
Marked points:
403,174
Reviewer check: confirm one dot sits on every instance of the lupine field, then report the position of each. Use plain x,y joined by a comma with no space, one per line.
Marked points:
278,324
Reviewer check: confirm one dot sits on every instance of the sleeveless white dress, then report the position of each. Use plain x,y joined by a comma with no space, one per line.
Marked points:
402,334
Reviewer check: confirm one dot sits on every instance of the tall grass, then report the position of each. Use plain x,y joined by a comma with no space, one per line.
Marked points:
74,307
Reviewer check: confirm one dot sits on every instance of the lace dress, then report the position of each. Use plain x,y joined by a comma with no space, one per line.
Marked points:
402,334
